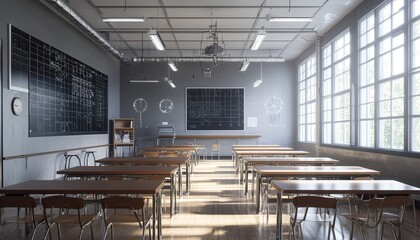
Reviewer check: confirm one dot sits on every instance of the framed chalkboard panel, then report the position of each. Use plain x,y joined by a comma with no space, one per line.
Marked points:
66,96
215,108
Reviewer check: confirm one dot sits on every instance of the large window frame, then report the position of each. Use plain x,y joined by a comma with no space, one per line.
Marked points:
386,99
336,91
307,100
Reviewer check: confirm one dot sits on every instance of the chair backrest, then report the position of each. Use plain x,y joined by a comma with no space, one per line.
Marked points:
59,201
215,147
393,201
120,202
315,201
17,202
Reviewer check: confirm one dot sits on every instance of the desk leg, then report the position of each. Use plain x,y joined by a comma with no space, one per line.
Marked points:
173,195
241,169
246,178
180,181
279,215
258,197
154,209
187,178
159,213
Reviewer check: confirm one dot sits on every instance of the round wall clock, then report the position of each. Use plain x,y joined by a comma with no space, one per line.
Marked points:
166,106
17,106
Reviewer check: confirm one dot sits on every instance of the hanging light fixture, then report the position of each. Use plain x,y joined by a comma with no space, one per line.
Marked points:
244,66
124,19
259,81
289,19
259,39
156,39
173,66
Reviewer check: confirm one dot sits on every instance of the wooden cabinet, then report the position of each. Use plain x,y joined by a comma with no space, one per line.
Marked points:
122,135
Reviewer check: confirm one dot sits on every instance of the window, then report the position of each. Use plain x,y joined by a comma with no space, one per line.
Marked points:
336,91
307,100
415,77
366,81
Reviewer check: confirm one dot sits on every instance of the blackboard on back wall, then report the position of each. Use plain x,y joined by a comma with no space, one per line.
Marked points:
215,108
66,96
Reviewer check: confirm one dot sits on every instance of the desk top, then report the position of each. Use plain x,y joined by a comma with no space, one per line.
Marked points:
166,148
344,186
315,171
255,145
119,170
84,187
278,152
255,149
143,160
211,136
287,160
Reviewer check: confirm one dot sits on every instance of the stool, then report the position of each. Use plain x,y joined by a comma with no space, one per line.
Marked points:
69,157
86,158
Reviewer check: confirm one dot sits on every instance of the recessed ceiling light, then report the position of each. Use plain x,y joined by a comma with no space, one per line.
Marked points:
123,19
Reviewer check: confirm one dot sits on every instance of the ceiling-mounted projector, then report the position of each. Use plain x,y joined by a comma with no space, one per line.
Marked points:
214,49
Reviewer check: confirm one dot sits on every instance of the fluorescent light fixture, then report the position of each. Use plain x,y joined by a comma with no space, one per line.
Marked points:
92,31
143,81
290,19
244,66
156,39
259,39
257,83
123,19
172,84
173,66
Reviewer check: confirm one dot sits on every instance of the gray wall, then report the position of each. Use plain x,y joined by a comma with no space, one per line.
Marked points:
278,80
392,166
39,21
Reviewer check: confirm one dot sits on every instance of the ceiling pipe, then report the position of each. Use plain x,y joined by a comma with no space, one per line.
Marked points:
207,59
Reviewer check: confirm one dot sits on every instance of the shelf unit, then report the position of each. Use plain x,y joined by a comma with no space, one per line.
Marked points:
122,134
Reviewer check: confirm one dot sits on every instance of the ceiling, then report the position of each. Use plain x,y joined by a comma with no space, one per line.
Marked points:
184,25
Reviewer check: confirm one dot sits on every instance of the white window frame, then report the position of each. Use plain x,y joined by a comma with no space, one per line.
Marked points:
307,100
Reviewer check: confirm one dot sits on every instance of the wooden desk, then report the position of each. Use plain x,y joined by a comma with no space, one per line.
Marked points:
147,187
178,161
313,161
132,171
217,137
240,154
264,172
336,187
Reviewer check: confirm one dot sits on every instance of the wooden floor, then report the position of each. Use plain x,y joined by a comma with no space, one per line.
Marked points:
218,209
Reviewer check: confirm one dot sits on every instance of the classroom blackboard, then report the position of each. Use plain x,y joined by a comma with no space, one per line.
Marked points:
66,96
215,108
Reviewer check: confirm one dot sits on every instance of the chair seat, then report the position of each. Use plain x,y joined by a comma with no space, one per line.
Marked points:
68,218
22,219
123,218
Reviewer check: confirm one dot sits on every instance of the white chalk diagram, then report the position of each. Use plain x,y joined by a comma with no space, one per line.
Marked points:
166,106
274,107
140,105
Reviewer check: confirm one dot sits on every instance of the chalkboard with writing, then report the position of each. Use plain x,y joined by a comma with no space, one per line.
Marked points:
215,108
66,96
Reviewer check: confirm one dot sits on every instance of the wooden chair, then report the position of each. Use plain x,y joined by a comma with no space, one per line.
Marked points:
307,202
215,148
376,215
60,209
25,205
270,196
136,214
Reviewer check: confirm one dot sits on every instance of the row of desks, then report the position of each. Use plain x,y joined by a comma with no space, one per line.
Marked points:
145,187
271,167
137,167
